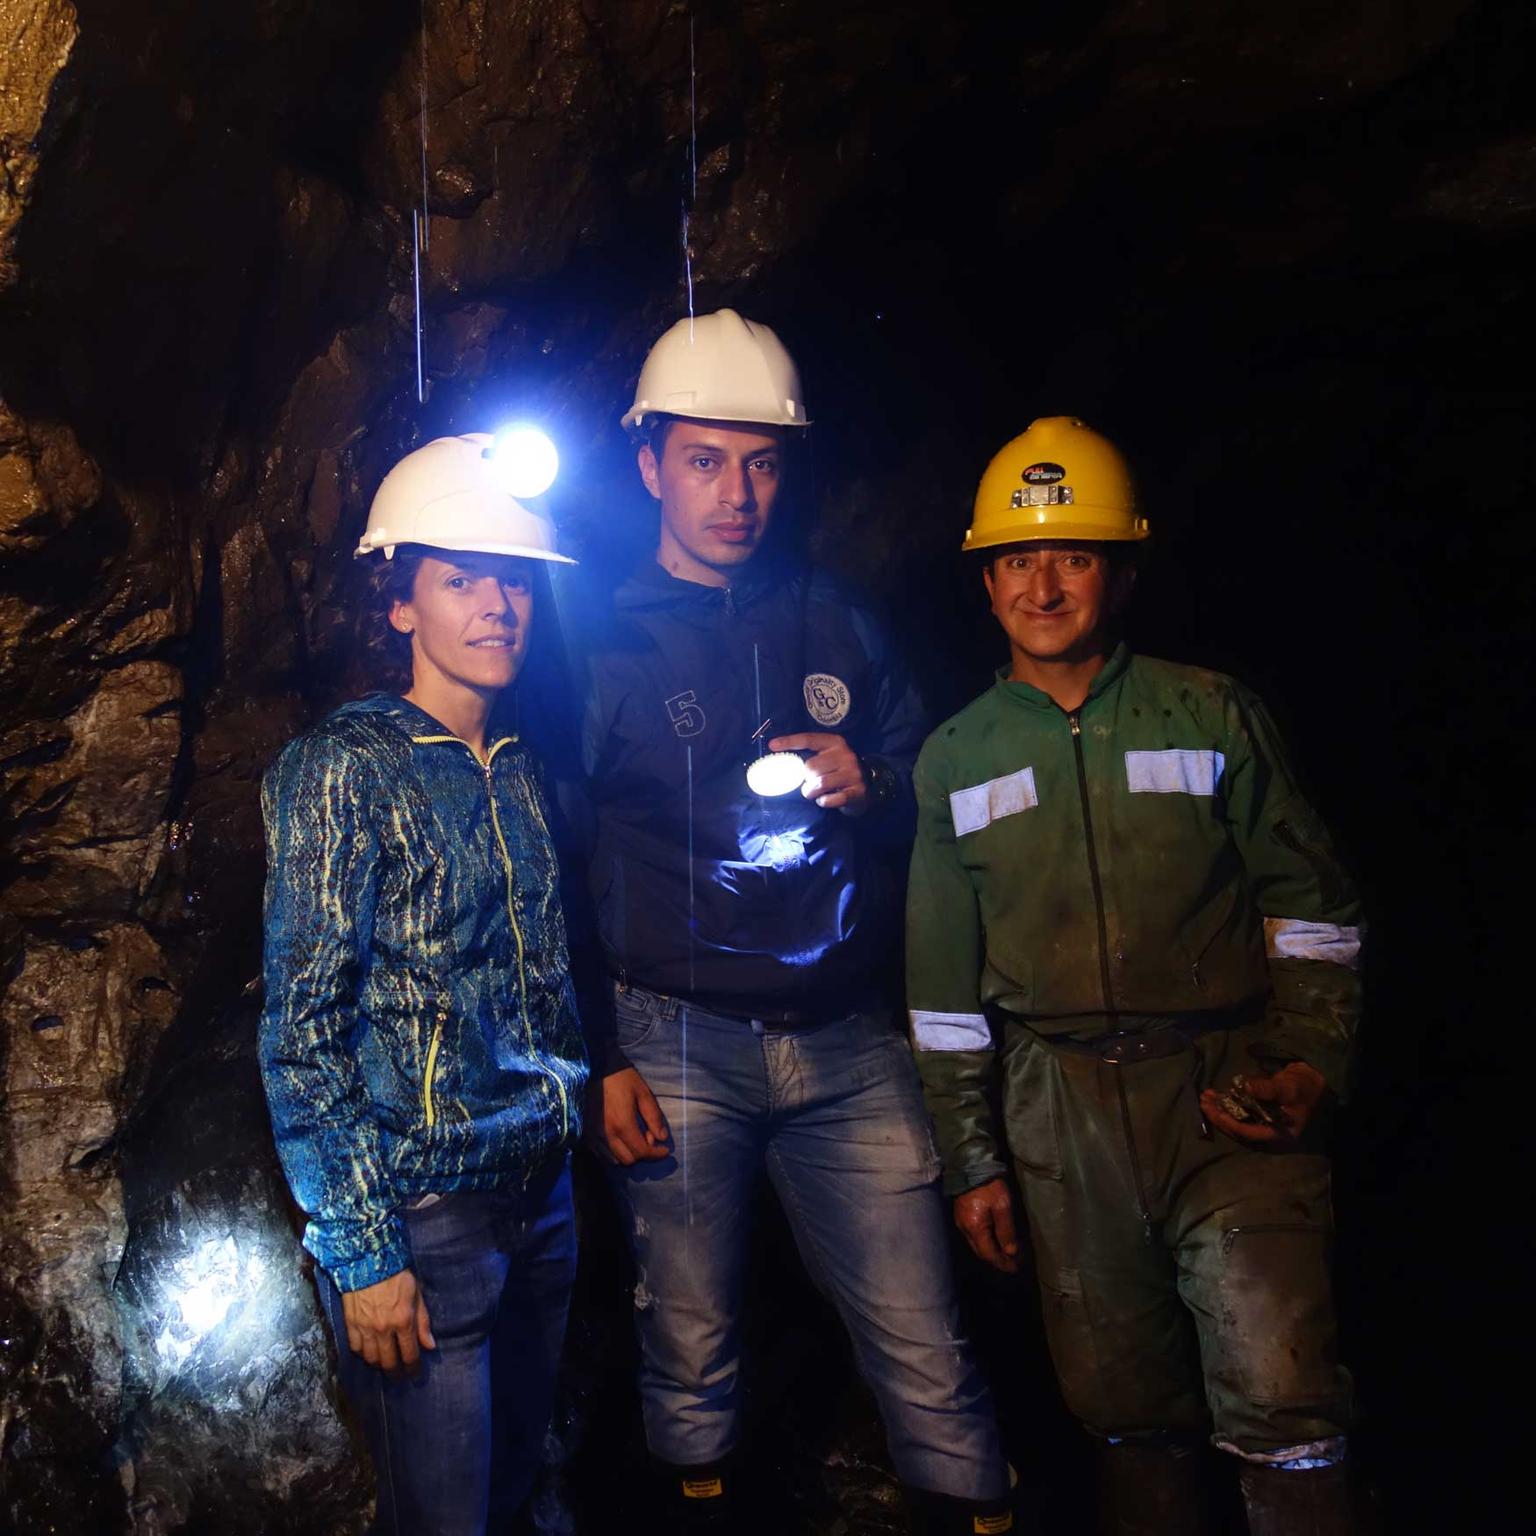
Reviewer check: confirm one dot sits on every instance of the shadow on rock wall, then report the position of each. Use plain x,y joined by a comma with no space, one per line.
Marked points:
1257,245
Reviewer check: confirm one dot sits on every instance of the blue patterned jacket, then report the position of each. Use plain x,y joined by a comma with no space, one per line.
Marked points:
420,1031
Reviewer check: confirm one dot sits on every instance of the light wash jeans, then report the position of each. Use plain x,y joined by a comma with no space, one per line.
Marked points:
455,1451
836,1114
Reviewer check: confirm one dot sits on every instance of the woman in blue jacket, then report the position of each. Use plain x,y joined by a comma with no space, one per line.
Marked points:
420,1045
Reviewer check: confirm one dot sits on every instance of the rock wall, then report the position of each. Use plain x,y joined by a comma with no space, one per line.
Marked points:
1258,219
210,358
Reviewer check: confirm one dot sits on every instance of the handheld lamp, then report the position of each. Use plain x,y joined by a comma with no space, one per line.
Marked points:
776,773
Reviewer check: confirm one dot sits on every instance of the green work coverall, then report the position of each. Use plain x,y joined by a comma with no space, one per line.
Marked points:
1110,909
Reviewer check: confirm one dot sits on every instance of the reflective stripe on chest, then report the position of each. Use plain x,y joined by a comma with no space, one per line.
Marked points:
1177,771
977,807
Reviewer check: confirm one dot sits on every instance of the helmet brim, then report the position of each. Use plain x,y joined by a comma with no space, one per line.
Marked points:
643,418
467,547
1040,533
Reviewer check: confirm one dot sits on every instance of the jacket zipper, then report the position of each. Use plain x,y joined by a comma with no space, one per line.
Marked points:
1093,860
1127,1125
426,1086
517,934
1231,1235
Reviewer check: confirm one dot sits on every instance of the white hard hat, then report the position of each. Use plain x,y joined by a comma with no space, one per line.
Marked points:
449,495
719,367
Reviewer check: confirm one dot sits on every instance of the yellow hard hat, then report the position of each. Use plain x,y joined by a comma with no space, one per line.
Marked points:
1058,480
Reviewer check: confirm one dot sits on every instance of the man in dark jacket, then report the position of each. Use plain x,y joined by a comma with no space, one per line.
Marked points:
1126,923
747,923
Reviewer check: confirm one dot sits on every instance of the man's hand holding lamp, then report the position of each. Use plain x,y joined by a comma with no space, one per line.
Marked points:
834,776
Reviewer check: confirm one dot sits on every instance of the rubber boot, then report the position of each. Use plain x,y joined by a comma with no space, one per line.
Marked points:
1284,1501
1152,1487
704,1498
940,1514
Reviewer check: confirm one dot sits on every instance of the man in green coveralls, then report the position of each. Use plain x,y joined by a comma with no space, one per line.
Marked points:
1128,928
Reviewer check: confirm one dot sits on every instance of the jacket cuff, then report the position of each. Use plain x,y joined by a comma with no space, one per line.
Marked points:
599,1022
1284,1041
607,1058
388,1252
1313,1016
891,810
962,1180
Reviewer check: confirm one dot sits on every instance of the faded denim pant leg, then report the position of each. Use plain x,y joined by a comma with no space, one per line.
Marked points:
836,1115
455,1451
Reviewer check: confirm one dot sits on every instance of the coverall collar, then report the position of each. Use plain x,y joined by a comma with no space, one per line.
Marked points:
648,585
1107,677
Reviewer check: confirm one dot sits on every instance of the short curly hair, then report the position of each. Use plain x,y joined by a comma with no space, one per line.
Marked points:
386,652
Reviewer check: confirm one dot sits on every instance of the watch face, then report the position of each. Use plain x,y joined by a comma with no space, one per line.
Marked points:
879,780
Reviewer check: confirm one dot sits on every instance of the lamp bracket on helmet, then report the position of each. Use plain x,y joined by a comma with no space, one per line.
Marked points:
1042,496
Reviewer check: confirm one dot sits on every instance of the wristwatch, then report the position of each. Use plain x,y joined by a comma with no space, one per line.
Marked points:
879,782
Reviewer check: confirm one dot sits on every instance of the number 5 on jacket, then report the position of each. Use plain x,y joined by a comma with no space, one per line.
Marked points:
684,712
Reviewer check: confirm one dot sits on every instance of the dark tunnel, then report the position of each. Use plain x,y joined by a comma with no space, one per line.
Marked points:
1282,254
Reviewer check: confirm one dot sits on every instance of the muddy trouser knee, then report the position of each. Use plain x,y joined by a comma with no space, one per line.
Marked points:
1184,1278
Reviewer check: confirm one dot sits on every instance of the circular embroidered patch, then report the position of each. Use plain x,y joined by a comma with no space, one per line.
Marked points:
826,697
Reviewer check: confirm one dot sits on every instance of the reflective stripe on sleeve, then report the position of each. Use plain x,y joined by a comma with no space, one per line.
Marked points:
1292,938
1178,771
950,1031
974,808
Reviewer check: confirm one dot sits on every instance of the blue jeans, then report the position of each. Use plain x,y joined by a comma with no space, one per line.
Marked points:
455,1451
836,1114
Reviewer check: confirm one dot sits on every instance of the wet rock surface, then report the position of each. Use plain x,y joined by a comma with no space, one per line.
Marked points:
228,1419
1283,252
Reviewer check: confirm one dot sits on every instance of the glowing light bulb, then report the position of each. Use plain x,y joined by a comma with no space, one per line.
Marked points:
525,460
776,774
